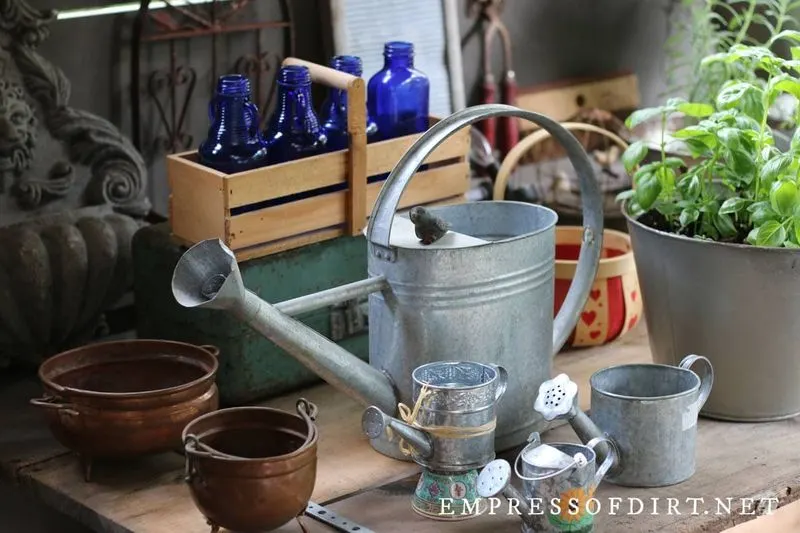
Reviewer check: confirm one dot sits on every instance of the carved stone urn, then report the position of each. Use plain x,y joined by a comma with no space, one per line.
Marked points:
73,190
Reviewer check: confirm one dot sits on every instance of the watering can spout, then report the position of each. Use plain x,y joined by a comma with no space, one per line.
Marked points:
207,276
375,422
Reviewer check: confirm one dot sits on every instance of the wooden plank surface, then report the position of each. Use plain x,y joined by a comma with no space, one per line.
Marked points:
734,461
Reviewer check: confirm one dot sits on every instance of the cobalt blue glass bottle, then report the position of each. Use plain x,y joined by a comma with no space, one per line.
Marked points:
398,95
234,143
294,131
334,110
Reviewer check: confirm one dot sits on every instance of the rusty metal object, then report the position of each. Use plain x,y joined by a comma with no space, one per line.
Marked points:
172,89
127,398
239,458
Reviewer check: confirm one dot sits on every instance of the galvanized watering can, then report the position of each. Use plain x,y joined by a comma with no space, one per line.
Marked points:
649,412
489,300
558,483
452,424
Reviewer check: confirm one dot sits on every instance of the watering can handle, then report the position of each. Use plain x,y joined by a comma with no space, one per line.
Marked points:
380,223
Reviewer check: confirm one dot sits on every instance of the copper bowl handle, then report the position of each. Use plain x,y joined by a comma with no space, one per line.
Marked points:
49,402
210,348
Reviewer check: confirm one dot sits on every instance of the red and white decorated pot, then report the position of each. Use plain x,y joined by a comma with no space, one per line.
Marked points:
614,305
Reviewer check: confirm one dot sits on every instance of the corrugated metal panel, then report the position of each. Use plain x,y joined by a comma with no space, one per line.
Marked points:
362,26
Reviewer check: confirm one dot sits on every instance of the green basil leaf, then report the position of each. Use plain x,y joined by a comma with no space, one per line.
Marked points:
732,93
772,234
729,137
774,167
695,110
761,213
634,155
688,216
732,205
751,236
742,163
624,195
642,115
689,186
725,225
783,197
647,190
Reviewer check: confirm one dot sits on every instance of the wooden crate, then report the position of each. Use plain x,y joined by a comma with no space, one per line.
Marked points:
311,199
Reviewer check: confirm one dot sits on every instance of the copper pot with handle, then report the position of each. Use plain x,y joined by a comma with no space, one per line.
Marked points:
127,398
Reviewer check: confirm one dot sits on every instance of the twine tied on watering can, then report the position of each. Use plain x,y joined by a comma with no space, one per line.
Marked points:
409,416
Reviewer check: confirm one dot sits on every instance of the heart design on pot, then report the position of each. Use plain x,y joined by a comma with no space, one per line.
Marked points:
595,294
588,317
594,334
633,296
632,322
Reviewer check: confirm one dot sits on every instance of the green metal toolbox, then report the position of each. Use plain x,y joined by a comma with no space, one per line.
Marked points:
251,367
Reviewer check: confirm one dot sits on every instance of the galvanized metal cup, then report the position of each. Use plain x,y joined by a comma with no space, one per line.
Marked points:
461,397
650,411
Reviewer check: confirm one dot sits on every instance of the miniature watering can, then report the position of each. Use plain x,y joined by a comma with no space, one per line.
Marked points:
452,425
649,411
488,296
558,479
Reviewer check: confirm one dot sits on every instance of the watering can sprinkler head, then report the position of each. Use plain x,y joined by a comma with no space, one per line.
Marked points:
375,422
207,276
557,399
495,479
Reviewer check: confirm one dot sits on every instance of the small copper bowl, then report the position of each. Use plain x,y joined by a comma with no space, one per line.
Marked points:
252,469
127,398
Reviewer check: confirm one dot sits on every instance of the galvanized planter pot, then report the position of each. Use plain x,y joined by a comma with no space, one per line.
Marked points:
738,305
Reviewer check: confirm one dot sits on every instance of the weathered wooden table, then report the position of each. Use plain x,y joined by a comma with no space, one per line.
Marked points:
750,468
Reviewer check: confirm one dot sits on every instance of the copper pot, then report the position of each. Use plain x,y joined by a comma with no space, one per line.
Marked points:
127,398
252,468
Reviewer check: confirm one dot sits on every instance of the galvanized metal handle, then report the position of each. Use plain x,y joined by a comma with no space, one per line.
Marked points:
535,440
380,222
612,459
48,402
502,381
706,378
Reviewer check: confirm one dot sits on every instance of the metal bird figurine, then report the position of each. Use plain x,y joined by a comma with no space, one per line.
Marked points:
428,227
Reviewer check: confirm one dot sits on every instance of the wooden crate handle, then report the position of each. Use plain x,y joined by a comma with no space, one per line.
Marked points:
356,129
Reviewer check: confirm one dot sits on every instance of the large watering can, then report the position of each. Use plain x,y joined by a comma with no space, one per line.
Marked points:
489,298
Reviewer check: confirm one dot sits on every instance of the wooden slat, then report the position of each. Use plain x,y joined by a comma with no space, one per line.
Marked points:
383,156
296,218
315,236
325,170
562,103
197,200
285,179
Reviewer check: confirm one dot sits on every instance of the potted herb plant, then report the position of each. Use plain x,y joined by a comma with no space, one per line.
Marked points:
717,243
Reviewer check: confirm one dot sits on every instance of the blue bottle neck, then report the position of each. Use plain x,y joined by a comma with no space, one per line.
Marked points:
398,54
233,85
294,107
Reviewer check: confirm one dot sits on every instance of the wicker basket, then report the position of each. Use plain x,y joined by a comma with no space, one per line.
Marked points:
615,304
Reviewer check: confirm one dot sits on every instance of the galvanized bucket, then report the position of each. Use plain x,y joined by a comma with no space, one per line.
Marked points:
736,304
650,412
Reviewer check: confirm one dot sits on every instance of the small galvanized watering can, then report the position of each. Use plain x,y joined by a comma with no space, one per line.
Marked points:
449,432
559,481
452,424
649,411
489,298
